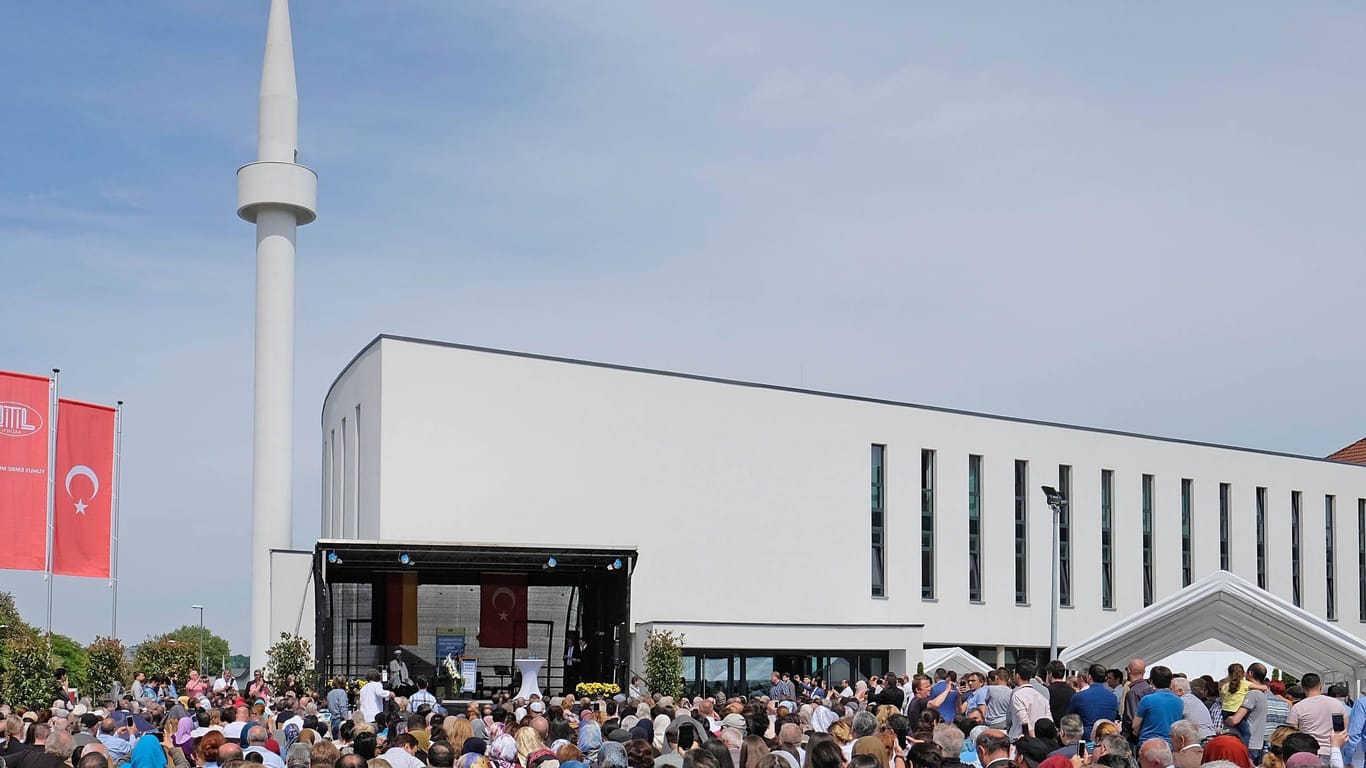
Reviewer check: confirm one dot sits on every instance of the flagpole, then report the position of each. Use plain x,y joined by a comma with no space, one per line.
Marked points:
51,496
114,529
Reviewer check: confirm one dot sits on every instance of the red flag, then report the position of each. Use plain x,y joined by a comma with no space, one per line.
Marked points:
85,489
24,406
502,610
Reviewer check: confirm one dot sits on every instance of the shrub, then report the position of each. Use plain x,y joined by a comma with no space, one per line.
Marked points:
292,655
27,679
106,665
664,663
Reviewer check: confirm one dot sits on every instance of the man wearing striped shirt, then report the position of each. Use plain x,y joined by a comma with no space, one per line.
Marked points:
421,696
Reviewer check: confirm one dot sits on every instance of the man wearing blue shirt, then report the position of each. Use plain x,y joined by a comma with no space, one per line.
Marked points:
1356,732
1159,709
944,695
1094,702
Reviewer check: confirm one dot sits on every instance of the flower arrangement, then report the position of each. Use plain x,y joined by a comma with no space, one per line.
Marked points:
597,689
453,669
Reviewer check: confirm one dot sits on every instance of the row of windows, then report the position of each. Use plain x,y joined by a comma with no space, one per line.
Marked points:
1107,534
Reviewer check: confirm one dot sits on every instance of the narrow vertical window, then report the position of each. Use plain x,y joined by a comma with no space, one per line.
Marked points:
355,478
1147,540
345,492
1361,560
975,528
879,563
1187,542
1065,537
1261,538
1330,563
1021,532
927,525
1225,547
1295,547
1107,538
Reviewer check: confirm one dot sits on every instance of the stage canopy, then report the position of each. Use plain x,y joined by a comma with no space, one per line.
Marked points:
954,659
1224,607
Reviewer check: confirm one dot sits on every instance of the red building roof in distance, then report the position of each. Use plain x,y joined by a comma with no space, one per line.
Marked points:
1354,453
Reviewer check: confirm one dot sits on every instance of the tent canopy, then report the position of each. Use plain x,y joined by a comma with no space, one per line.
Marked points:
1224,607
954,659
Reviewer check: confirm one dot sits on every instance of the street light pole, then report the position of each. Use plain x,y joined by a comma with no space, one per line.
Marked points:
200,608
1056,502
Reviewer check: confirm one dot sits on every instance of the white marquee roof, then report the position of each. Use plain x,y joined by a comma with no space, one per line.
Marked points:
1224,607
955,659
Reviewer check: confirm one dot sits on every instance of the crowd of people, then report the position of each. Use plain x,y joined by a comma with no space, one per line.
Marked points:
1131,718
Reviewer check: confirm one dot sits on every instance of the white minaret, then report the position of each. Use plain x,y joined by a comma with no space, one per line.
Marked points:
278,195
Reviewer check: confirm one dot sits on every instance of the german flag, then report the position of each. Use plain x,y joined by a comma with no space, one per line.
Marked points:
393,609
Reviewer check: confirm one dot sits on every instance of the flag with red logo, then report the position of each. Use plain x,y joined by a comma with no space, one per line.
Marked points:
83,505
502,610
24,407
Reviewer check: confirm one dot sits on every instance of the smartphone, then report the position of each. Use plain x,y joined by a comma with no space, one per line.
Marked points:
400,727
128,721
1338,724
1082,750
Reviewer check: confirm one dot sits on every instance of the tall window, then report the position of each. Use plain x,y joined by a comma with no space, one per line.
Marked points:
1187,544
1330,539
878,487
1361,560
1261,538
1295,547
927,525
1021,532
975,528
1225,546
1107,538
1147,540
1065,537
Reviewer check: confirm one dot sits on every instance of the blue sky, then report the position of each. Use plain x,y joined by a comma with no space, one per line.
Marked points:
1133,216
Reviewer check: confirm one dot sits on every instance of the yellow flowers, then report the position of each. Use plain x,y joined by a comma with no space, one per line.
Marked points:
597,689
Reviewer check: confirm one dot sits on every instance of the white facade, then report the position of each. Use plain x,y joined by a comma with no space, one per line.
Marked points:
750,505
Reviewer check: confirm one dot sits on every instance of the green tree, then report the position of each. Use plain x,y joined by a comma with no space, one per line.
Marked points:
215,647
664,663
291,655
27,677
106,665
166,656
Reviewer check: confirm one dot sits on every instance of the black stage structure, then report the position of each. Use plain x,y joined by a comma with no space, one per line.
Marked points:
586,593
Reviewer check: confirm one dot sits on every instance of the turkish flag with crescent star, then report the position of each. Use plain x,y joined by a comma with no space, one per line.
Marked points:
502,610
25,406
83,505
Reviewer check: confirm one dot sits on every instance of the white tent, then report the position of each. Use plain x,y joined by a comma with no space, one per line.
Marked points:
953,659
1226,608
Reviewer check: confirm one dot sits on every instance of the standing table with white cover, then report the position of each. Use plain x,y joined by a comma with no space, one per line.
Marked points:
530,685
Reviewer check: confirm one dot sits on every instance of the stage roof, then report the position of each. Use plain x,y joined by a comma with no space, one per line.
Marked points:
455,562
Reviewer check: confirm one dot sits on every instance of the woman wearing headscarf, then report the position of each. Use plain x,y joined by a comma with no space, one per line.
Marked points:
174,738
148,753
611,755
661,724
590,736
502,751
1228,748
528,743
874,747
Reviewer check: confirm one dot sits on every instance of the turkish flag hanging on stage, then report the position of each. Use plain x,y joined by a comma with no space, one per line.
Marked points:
502,610
83,506
25,404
